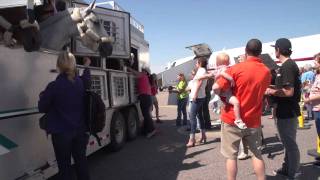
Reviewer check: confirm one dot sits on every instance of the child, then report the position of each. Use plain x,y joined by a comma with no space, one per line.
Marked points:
223,63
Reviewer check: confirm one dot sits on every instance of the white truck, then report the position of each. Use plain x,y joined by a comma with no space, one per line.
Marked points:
26,151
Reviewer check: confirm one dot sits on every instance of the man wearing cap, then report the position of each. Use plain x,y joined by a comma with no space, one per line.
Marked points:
287,96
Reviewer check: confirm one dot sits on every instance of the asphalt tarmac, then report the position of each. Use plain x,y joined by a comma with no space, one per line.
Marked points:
165,157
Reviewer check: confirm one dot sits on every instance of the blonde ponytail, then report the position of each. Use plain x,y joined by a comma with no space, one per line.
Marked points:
66,63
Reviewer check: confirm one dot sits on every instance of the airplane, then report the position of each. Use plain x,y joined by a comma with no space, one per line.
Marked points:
303,50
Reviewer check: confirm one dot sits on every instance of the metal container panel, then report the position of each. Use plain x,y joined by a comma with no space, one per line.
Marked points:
119,89
133,89
23,76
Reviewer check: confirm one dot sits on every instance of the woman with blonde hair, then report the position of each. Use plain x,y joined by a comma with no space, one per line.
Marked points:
64,105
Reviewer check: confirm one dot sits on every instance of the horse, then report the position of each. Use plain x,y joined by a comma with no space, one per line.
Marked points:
57,30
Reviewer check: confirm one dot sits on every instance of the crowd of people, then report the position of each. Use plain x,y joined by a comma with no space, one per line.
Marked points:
241,93
243,96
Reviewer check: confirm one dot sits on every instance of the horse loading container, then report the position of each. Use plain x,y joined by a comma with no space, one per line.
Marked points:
25,150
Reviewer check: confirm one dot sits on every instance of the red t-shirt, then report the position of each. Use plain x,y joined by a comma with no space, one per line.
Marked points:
252,78
143,84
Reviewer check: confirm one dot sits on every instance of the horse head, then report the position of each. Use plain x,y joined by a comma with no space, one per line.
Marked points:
83,22
92,32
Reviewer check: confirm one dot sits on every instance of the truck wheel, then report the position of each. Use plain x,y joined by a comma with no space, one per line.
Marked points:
117,132
132,123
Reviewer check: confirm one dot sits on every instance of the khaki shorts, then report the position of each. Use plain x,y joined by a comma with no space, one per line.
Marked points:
231,137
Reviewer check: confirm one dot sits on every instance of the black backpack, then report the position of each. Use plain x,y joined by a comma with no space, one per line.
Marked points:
95,113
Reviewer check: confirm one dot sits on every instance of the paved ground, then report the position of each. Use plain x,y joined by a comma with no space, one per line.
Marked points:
165,156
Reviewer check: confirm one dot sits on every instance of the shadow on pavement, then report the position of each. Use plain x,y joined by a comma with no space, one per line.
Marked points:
274,178
197,153
308,172
158,158
273,147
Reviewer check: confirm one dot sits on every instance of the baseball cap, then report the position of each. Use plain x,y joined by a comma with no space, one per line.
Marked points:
283,44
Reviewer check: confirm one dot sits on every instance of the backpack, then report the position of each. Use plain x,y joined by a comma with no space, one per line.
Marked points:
95,114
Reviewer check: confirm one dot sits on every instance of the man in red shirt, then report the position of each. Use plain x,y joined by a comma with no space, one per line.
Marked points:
251,78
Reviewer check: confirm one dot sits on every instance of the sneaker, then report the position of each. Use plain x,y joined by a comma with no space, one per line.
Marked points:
243,156
151,134
280,172
316,164
240,124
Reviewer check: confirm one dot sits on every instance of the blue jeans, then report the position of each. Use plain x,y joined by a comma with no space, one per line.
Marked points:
317,121
195,108
182,107
309,111
72,144
145,105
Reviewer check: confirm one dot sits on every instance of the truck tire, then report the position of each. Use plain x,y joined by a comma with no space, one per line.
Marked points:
117,131
132,123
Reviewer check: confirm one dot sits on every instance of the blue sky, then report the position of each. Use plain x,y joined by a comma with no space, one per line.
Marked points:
171,25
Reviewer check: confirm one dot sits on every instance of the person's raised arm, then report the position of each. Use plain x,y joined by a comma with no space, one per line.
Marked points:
133,71
222,83
86,75
205,76
228,77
